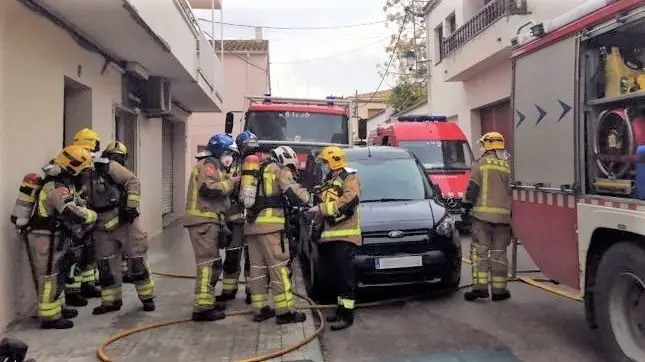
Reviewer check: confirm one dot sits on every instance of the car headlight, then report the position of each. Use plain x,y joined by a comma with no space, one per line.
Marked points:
446,225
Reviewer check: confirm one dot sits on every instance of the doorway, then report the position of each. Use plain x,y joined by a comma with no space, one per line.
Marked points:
77,109
125,122
498,118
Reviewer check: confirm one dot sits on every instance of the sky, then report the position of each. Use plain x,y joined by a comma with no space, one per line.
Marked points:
297,69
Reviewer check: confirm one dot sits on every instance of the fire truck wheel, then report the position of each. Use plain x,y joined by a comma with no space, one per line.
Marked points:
620,302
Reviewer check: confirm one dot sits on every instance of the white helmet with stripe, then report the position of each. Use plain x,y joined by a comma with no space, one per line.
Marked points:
286,156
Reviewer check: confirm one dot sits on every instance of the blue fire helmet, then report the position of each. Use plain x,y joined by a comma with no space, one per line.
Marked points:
246,140
218,144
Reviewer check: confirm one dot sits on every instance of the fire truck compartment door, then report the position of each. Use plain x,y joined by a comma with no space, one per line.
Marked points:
543,102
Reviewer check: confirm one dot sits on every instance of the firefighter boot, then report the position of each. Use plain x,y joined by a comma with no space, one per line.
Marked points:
209,315
149,305
226,296
69,313
60,323
334,316
75,300
90,290
107,308
290,317
264,314
476,294
499,296
345,319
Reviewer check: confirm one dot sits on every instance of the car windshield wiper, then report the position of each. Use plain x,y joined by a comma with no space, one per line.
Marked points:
386,200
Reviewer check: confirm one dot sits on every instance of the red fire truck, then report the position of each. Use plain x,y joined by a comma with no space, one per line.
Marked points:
303,124
578,196
440,146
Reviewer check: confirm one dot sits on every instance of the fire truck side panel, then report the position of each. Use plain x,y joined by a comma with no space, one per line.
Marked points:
544,218
611,213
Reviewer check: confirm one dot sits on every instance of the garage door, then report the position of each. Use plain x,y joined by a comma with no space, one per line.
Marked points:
497,118
168,171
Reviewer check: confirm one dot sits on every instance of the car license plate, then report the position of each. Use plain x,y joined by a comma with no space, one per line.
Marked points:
399,262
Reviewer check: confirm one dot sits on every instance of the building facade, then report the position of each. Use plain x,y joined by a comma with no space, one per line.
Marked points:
247,73
131,70
469,47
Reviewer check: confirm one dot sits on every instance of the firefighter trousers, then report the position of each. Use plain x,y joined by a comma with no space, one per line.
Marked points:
140,243
488,255
110,246
268,256
47,261
83,271
209,264
233,258
342,274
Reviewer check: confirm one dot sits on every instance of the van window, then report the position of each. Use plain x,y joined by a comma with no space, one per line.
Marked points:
441,155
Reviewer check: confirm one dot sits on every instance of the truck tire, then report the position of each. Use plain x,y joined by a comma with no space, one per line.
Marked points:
620,302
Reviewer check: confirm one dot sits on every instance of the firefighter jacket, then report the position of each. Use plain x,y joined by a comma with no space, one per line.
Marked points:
111,188
340,208
236,211
489,189
273,182
208,193
57,206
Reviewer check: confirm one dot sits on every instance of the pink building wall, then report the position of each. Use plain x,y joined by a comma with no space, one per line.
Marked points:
240,79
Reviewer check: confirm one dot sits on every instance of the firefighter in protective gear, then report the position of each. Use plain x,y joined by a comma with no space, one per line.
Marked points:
235,242
209,190
341,236
270,181
82,279
114,192
488,199
117,151
59,216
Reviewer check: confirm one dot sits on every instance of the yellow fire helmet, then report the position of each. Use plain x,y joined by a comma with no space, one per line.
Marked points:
334,156
74,159
116,147
492,141
88,139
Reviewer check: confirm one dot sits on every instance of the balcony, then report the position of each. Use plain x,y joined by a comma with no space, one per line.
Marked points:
483,40
161,35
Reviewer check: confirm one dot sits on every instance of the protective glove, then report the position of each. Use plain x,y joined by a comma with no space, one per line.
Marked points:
129,214
313,211
235,180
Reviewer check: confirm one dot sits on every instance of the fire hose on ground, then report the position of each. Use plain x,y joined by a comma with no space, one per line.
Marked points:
102,355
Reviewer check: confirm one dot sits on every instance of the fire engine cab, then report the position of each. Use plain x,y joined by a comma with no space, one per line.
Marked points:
439,145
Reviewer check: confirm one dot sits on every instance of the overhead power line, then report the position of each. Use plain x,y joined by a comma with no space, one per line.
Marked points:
295,27
332,55
389,63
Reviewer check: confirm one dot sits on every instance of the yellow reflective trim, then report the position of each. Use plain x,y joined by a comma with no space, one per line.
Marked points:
193,210
266,216
90,217
492,210
259,297
134,197
112,223
328,208
42,207
327,234
284,273
347,303
145,290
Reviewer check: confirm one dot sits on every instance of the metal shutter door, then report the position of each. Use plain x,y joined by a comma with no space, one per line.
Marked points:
168,171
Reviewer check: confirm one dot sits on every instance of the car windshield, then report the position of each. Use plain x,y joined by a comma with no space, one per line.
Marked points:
441,155
299,126
391,180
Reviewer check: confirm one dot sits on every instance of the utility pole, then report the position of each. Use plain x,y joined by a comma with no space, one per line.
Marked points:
356,104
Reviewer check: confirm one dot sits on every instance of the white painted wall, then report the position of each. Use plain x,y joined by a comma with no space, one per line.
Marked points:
374,122
33,63
486,84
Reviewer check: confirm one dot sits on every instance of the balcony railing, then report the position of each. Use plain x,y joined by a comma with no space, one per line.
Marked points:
487,16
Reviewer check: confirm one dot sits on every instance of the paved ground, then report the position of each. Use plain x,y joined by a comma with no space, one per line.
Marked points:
533,326
231,339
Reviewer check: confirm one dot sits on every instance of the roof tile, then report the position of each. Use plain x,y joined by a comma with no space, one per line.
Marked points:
243,45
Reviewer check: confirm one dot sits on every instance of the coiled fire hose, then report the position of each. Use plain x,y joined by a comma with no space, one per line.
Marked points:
102,355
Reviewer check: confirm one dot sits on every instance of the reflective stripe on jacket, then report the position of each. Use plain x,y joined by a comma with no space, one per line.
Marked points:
208,193
493,176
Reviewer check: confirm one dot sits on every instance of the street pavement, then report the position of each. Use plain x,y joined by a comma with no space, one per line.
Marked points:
533,326
232,339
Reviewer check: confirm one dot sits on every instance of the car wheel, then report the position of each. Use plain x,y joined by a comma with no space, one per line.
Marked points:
620,302
452,278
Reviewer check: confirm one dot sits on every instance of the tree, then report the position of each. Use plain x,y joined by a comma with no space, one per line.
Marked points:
405,94
413,38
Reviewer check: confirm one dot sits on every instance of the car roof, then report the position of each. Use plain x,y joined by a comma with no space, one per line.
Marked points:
377,152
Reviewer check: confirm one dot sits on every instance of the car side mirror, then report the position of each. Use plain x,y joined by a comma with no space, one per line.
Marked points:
228,124
362,128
